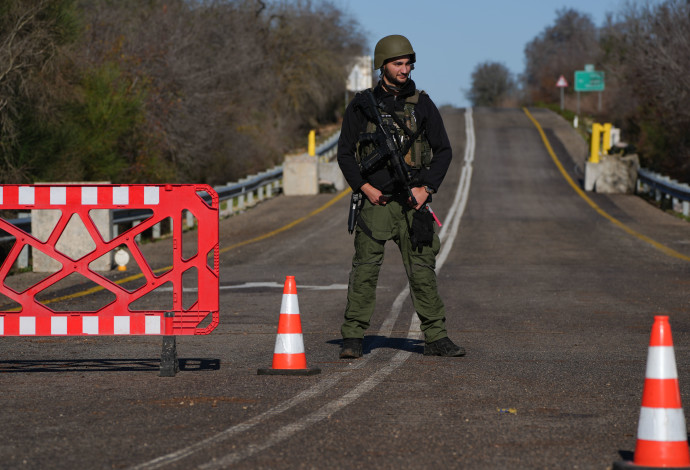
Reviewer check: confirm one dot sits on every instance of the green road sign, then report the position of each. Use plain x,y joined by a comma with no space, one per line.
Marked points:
589,80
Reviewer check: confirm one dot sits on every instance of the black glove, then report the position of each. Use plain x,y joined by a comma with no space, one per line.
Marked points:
422,231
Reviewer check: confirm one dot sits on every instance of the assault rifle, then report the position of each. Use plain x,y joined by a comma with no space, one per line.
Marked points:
386,147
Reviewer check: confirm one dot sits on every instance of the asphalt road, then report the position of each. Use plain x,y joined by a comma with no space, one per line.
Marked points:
553,301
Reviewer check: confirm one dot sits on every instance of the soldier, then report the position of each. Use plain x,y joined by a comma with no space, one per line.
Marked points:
392,208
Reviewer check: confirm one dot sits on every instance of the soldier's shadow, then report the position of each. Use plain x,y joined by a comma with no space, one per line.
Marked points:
372,342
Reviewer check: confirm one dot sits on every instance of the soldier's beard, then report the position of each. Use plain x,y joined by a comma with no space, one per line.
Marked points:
390,79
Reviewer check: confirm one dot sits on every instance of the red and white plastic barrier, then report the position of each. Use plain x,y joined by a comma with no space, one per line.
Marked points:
117,317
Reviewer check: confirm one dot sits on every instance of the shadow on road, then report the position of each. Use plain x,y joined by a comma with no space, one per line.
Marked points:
104,365
376,342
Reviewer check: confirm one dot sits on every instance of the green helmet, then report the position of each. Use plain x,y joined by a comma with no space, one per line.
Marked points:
391,47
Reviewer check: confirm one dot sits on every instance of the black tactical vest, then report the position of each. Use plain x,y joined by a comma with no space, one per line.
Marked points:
419,156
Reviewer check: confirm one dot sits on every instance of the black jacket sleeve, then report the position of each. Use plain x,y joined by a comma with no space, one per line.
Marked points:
353,125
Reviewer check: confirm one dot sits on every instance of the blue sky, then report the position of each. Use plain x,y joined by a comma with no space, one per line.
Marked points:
451,37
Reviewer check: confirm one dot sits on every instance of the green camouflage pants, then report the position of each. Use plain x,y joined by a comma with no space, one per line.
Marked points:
392,222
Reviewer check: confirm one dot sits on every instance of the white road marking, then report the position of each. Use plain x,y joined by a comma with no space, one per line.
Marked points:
322,413
255,285
447,237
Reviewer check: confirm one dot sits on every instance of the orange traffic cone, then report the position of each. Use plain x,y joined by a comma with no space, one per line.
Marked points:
288,356
662,440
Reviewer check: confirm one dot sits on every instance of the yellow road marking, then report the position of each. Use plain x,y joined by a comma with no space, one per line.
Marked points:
290,225
663,248
231,247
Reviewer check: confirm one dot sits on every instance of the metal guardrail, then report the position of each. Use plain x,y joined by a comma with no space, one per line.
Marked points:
234,197
329,148
664,187
23,223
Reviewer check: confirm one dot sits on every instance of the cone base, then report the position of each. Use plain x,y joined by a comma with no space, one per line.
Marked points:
629,465
311,371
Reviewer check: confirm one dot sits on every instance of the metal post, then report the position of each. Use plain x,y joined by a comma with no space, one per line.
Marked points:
595,144
169,363
311,144
599,101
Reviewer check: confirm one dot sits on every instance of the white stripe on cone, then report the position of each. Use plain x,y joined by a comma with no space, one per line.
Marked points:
289,305
289,343
662,424
661,363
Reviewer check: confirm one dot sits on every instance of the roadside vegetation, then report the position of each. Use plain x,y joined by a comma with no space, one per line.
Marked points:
209,91
644,51
130,91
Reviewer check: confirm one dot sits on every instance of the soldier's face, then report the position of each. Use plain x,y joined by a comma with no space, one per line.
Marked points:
397,72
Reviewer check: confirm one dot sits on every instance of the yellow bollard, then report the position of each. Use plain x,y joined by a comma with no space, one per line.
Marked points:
596,140
312,143
606,144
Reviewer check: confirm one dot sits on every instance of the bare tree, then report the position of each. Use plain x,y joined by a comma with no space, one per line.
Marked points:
164,90
492,84
231,83
32,35
648,52
559,50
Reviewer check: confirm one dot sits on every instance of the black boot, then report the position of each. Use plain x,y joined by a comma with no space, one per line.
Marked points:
351,348
443,347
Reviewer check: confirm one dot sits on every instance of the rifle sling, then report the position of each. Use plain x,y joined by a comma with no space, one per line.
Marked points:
411,135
